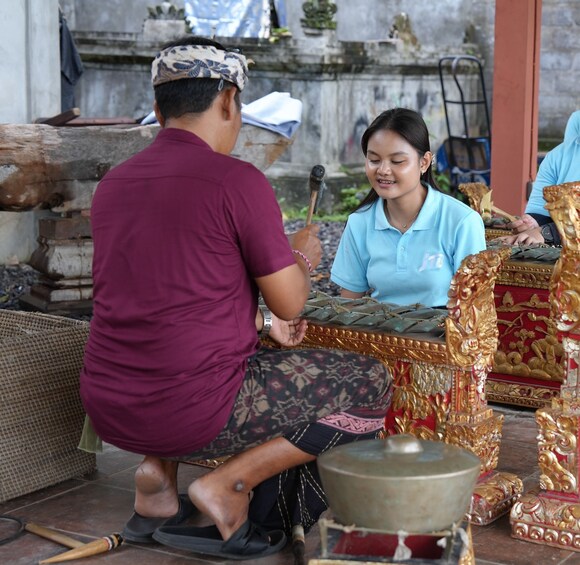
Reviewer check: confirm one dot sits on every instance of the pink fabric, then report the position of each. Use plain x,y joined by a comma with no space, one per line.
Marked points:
353,424
180,232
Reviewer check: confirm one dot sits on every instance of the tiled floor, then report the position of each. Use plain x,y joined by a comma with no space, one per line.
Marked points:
90,507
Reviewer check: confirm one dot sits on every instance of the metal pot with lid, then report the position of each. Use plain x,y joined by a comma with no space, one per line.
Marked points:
400,483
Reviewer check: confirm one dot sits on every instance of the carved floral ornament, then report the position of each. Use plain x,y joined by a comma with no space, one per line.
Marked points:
471,327
563,203
529,344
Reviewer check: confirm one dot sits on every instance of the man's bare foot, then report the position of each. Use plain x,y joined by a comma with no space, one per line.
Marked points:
225,503
156,488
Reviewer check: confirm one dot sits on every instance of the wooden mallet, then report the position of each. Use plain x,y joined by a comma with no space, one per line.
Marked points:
53,535
101,545
503,214
316,184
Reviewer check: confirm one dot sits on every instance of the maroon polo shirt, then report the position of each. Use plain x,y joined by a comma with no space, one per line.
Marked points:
180,233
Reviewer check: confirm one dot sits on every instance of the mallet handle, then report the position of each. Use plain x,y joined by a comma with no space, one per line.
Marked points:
506,215
52,535
313,197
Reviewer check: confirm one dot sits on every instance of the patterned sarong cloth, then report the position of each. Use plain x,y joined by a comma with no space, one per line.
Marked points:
316,399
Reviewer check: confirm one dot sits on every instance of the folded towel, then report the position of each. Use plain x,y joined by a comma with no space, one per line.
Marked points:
276,111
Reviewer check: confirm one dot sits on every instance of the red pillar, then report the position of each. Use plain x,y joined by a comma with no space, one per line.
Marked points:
514,128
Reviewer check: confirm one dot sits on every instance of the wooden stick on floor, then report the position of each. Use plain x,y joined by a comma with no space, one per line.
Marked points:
101,545
53,535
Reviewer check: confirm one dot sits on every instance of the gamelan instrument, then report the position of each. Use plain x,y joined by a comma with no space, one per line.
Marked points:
400,498
439,359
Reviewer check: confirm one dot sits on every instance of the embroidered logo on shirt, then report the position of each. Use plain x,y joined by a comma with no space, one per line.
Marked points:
431,261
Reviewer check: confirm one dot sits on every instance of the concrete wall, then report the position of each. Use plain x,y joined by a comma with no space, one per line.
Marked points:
30,71
342,86
559,65
29,61
439,25
108,15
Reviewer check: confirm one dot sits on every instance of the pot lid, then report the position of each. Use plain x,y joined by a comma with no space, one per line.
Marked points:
400,456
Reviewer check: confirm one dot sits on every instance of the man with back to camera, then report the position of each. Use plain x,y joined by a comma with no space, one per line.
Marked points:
185,238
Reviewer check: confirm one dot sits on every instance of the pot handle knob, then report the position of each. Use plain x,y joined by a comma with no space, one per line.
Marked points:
403,444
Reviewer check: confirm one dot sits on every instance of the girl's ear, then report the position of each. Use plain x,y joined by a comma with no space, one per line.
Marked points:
425,161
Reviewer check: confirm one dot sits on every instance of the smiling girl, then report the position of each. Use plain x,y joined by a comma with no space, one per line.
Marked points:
406,239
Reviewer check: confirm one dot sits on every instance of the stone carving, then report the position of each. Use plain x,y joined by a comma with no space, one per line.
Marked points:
319,14
165,22
166,11
403,31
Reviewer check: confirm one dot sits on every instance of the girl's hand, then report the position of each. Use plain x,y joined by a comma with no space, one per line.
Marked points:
529,237
525,223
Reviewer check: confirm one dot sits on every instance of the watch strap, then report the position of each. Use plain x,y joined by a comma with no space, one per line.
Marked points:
547,233
267,324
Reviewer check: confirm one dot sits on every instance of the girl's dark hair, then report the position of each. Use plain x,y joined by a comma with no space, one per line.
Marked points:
189,95
412,128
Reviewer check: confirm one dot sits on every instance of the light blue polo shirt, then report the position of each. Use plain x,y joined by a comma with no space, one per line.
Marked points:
561,164
416,266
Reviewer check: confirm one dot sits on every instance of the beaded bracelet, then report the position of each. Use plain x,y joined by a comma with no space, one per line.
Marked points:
304,258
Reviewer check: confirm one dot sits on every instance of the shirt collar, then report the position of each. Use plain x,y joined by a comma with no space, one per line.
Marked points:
178,134
381,222
425,220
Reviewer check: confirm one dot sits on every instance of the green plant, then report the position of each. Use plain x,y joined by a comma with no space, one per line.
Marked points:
295,213
351,197
443,181
278,33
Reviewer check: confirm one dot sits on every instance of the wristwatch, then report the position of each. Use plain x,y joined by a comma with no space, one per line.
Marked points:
267,317
547,233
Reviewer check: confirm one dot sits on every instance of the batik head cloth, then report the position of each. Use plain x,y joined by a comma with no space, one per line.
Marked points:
199,61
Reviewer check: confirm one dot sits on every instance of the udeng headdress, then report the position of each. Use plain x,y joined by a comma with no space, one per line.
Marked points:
199,61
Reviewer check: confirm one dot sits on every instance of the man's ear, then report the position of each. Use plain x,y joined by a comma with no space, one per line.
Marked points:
229,104
158,115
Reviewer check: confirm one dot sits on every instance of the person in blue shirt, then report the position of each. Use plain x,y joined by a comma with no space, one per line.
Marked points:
572,127
561,164
406,239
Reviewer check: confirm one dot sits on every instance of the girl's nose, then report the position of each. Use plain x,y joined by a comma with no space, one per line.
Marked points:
384,168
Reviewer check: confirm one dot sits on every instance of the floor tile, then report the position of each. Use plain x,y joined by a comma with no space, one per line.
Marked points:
573,559
43,494
495,544
518,458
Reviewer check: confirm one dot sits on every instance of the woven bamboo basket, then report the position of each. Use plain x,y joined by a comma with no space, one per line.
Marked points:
41,416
